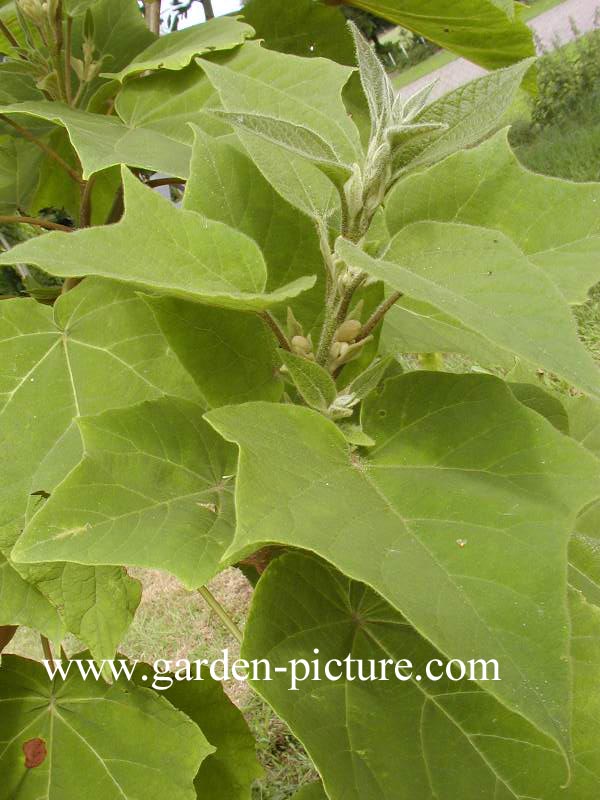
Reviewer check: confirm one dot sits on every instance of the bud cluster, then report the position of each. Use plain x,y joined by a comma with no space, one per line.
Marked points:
392,119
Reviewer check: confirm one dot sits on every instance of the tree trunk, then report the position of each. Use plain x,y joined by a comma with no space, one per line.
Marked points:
152,15
208,9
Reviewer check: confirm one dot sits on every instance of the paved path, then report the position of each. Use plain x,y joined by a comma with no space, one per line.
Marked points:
552,23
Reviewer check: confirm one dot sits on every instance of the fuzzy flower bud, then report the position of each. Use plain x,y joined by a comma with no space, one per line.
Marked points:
33,9
301,345
348,331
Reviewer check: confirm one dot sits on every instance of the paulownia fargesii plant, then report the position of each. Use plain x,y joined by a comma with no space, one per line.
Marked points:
212,379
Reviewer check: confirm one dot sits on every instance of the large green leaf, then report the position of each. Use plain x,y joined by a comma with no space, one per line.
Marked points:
412,326
176,50
19,169
228,773
306,28
297,180
161,247
484,31
466,115
170,103
463,491
230,354
416,737
302,27
282,91
555,222
102,141
21,603
225,185
154,489
480,278
87,739
97,604
584,548
120,33
99,348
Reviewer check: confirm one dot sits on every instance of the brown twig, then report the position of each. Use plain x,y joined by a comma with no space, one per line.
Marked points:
40,223
377,316
8,35
348,295
43,146
85,209
152,15
69,284
118,207
272,323
154,182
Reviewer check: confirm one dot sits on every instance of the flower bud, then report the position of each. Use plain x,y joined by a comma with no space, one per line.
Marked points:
301,345
33,9
294,328
348,331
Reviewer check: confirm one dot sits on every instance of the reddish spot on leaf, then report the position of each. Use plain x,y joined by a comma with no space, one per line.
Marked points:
35,753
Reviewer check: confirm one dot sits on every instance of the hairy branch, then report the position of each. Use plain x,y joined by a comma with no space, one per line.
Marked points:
272,323
378,315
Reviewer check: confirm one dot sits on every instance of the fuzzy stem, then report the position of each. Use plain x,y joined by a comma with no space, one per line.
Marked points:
274,326
40,223
221,613
378,315
48,150
360,278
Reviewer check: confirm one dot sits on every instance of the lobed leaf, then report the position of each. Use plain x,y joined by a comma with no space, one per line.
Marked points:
464,490
554,221
153,490
303,92
85,738
227,773
230,354
99,348
488,32
402,739
224,185
177,49
480,278
102,141
160,247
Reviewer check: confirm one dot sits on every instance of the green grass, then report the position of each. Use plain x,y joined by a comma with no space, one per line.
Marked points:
408,76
